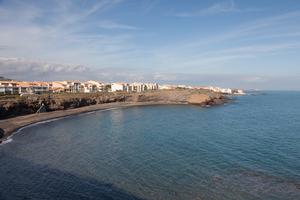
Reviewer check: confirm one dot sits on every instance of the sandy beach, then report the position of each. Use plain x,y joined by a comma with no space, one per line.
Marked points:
11,125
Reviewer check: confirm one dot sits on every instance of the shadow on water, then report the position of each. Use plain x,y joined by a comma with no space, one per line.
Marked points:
33,181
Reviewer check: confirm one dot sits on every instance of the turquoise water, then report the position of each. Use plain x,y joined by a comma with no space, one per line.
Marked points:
247,149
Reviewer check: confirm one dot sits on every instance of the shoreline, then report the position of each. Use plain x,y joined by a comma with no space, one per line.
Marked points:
12,125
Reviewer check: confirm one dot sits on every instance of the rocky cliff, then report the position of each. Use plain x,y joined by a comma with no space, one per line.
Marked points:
16,106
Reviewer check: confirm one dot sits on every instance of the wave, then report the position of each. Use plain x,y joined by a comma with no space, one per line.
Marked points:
8,140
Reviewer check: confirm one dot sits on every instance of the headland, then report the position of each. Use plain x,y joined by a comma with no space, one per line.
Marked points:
20,112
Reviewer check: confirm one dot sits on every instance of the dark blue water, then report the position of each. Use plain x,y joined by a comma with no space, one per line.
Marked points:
247,149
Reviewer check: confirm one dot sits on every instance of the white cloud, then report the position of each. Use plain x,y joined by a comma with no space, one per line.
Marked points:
61,33
84,34
24,69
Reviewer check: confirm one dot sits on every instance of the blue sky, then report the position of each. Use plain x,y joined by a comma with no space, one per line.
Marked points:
230,43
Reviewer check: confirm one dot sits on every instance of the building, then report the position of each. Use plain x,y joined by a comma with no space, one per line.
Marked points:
140,87
115,87
151,86
8,87
72,86
220,90
166,87
22,87
39,87
93,86
133,87
57,86
137,87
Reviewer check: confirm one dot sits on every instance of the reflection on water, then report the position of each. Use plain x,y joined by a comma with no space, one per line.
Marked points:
249,149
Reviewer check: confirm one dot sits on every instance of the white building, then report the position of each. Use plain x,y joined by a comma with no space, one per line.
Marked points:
73,86
141,87
220,90
8,87
16,87
58,86
166,87
133,87
92,87
151,86
115,87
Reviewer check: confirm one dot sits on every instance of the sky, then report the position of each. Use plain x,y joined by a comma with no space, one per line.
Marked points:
228,43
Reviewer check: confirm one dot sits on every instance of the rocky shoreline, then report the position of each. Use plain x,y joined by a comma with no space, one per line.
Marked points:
19,113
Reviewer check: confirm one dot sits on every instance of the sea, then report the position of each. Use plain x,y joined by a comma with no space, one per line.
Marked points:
248,148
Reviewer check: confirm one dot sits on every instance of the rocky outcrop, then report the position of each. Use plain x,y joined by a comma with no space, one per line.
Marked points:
61,105
29,104
1,133
183,96
198,99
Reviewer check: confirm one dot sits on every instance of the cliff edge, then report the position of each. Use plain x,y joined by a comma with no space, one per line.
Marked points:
21,111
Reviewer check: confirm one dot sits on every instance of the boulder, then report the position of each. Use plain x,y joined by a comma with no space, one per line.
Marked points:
1,133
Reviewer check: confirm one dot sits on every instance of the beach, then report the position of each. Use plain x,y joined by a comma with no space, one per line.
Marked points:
201,98
9,126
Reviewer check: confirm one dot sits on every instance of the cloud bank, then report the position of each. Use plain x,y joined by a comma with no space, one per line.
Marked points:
21,69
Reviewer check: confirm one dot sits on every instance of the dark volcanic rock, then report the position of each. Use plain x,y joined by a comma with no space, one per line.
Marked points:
1,133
